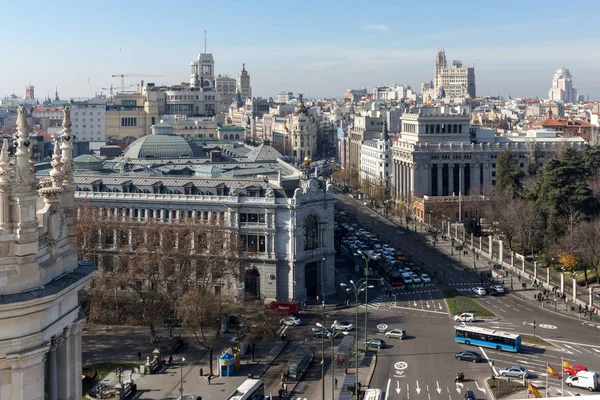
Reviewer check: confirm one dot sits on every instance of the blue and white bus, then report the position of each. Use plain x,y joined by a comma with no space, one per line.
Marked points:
250,389
501,341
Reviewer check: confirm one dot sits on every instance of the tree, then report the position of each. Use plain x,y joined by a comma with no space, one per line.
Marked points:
584,238
524,215
509,175
257,322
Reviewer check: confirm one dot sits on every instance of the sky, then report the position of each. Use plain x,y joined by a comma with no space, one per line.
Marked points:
320,48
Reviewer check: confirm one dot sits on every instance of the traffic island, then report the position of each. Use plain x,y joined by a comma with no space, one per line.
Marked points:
536,340
504,387
458,303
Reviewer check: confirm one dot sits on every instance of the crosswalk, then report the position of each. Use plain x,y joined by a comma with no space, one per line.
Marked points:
422,300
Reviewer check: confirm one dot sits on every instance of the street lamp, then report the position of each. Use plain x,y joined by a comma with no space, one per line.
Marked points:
181,377
357,288
331,335
367,257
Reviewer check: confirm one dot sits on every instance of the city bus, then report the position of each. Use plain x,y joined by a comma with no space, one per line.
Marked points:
250,389
501,341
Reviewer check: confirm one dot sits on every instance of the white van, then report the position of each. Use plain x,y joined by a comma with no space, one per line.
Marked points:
373,394
584,379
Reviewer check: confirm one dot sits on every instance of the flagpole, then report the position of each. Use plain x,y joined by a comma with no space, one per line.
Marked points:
562,383
547,373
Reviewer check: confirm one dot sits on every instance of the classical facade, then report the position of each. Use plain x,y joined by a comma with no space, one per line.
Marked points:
440,155
41,329
376,159
303,133
284,220
365,127
562,89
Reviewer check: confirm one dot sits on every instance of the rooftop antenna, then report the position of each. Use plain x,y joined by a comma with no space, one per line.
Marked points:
205,41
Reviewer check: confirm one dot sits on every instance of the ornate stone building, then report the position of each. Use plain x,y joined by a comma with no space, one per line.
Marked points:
303,133
41,323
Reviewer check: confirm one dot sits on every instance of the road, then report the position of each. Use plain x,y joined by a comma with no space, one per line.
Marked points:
427,356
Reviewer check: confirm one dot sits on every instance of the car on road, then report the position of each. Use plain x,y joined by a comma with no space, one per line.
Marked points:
469,395
396,333
318,332
492,291
425,278
342,326
515,372
468,356
416,279
464,317
378,343
291,321
479,290
498,288
574,369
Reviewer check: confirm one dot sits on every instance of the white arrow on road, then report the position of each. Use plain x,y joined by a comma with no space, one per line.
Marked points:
440,304
479,388
398,387
438,387
418,389
459,386
427,304
596,350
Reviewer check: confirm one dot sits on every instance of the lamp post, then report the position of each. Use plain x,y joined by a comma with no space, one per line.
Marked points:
367,258
322,351
181,377
331,335
356,288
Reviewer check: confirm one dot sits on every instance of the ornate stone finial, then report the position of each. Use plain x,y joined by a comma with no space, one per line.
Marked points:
56,173
5,168
67,146
22,128
22,149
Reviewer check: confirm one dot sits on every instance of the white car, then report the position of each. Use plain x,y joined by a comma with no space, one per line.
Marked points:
464,317
498,288
292,321
416,279
342,326
425,278
479,290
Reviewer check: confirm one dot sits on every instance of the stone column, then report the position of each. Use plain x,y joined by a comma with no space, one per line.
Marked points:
480,243
501,253
76,357
590,299
512,259
548,277
461,178
450,179
574,289
63,355
475,178
534,269
52,374
562,282
439,168
411,180
428,169
523,263
491,250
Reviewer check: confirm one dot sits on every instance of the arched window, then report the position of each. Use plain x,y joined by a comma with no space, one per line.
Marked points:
225,136
237,135
311,235
455,128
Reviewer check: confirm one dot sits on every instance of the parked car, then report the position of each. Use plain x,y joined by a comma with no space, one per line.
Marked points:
396,333
378,343
468,356
573,370
465,317
416,279
290,321
342,326
319,332
425,278
515,371
479,290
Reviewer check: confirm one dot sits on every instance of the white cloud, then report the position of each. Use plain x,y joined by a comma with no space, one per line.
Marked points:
376,28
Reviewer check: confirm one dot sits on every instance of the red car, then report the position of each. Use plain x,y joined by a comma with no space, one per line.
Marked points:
574,370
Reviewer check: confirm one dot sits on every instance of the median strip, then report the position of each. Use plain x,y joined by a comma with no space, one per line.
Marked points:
458,303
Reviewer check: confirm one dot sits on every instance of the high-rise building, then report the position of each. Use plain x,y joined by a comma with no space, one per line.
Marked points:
455,80
29,92
285,97
562,87
243,84
203,71
41,329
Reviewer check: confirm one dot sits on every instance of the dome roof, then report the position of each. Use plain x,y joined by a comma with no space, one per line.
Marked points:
300,107
163,146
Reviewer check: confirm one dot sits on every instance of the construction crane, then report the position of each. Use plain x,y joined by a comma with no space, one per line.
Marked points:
123,76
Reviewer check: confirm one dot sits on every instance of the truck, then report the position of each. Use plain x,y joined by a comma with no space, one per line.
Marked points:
583,379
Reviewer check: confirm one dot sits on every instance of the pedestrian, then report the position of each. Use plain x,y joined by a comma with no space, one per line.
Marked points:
580,309
282,338
359,386
208,379
280,393
284,387
139,355
335,383
170,360
519,277
477,256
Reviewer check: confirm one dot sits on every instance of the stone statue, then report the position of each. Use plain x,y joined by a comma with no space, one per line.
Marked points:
270,193
22,127
233,192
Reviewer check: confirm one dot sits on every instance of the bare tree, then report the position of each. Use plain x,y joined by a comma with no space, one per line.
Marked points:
584,240
257,322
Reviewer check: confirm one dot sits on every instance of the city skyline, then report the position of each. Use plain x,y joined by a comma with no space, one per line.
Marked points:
318,49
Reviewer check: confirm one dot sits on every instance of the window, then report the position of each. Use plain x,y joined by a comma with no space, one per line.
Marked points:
311,235
128,121
254,243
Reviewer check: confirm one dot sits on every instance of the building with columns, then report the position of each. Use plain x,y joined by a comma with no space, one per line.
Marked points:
40,276
303,133
284,219
440,155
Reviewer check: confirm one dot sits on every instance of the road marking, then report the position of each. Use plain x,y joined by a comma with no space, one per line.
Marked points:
418,389
398,387
457,386
400,365
546,326
501,310
489,361
573,348
516,309
528,309
387,389
523,361
438,387
479,388
407,392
